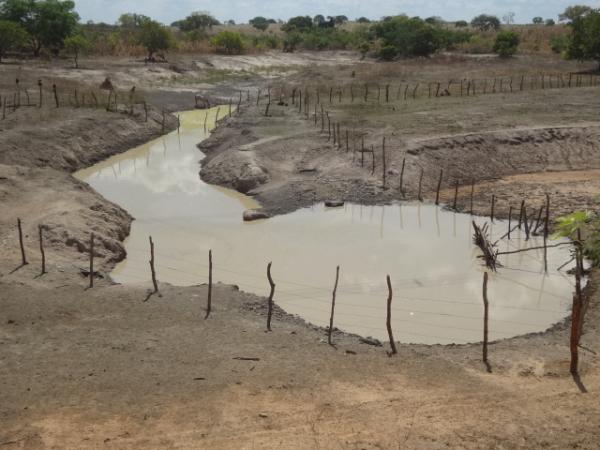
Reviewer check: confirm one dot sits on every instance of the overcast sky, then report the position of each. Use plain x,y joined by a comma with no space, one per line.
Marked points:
168,11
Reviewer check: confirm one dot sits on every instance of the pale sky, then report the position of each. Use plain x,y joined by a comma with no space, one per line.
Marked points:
167,11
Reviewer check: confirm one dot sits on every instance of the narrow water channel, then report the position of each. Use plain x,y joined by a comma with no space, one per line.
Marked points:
427,251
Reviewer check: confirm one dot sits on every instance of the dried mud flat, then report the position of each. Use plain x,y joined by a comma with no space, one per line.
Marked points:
101,368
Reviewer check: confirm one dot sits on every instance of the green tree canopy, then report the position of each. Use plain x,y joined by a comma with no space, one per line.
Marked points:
538,20
574,12
299,24
76,45
48,22
12,36
485,22
132,20
506,44
155,37
461,24
585,39
260,23
363,20
197,21
403,36
228,42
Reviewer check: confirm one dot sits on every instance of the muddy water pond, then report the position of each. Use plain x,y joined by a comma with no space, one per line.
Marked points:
428,252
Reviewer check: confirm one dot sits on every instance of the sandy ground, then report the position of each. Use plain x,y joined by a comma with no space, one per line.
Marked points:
101,368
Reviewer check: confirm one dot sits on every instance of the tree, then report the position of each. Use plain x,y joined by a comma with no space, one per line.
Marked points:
403,36
228,42
461,24
260,23
47,22
132,20
231,22
300,24
509,18
574,12
538,20
550,22
340,20
585,39
155,37
196,21
76,45
485,22
12,36
506,44
319,20
363,20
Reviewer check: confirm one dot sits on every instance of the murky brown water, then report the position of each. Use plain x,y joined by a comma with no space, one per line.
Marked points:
427,251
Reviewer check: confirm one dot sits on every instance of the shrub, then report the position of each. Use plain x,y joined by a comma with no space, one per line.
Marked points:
559,44
585,40
228,42
155,38
12,36
485,22
260,23
461,24
506,44
402,36
76,45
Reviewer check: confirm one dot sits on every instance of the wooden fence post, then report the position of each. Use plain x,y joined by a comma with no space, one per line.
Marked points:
510,210
41,85
54,91
209,298
389,318
21,243
152,268
472,193
270,305
576,309
91,260
40,230
419,196
437,195
337,276
486,307
546,228
402,177
493,207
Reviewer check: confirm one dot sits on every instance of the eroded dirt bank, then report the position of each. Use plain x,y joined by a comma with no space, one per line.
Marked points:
288,163
39,148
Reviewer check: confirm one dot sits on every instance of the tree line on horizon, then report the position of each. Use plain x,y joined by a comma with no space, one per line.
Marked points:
53,26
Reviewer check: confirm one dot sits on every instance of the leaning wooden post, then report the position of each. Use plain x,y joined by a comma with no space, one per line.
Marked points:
510,210
209,298
419,196
40,85
163,121
546,229
493,207
389,318
152,268
437,194
40,230
21,243
270,310
486,312
91,260
521,213
55,95
402,176
337,276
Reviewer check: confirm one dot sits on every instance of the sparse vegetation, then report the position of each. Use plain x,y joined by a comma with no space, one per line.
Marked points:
506,44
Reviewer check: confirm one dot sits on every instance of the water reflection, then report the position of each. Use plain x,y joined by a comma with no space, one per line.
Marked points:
427,251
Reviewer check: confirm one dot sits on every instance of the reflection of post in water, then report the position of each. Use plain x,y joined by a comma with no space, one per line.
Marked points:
437,220
134,165
401,217
454,224
148,158
419,215
381,222
119,163
114,171
372,209
544,275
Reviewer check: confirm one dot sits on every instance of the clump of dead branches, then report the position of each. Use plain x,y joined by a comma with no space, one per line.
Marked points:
481,240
